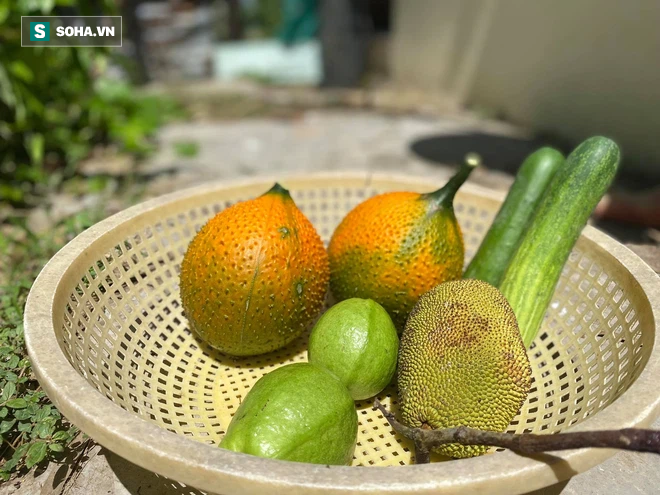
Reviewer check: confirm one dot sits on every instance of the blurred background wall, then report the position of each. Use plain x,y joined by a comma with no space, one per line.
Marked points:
570,68
566,69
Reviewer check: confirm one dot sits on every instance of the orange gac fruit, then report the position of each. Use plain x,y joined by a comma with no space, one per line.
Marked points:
396,246
255,276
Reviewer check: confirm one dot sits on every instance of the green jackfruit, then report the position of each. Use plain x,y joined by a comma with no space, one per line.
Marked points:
462,362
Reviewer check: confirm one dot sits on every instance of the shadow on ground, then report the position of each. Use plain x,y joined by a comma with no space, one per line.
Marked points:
139,481
504,153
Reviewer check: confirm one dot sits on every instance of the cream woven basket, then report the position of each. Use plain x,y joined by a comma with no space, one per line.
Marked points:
110,345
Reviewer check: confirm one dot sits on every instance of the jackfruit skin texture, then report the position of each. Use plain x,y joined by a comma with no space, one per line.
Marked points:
393,248
255,276
462,362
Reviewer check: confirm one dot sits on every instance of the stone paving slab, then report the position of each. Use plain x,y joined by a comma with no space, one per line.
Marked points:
316,141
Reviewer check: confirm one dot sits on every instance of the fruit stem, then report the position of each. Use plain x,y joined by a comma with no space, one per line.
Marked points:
635,439
278,189
444,197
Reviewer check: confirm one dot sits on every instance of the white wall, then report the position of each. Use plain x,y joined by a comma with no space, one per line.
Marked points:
573,67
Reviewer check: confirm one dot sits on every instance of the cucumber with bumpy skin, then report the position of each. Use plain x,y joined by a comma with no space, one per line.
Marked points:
498,247
572,195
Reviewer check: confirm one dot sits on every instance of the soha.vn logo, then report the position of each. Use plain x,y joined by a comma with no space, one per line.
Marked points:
73,31
40,31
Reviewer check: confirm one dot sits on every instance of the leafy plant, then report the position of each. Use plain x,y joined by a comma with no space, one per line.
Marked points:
57,103
31,429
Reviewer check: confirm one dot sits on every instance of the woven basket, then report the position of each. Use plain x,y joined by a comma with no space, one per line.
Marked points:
110,345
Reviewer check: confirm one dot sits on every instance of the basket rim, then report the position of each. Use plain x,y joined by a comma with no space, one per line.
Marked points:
208,467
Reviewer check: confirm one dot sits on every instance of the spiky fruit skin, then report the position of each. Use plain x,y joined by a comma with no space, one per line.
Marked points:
393,248
462,362
255,276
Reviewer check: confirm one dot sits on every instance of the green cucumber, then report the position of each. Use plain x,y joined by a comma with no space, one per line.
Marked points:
503,237
572,195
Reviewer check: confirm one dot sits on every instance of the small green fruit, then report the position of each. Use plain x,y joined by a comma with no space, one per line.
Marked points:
298,412
356,341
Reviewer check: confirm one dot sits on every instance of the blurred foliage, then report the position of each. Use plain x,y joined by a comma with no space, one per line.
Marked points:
264,19
56,104
186,149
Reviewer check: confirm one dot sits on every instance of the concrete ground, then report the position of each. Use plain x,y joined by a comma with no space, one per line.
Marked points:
311,141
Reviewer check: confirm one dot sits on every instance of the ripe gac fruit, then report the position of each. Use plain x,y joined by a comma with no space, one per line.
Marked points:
255,276
396,246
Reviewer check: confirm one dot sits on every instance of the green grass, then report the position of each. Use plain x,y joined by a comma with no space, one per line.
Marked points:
186,149
31,429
